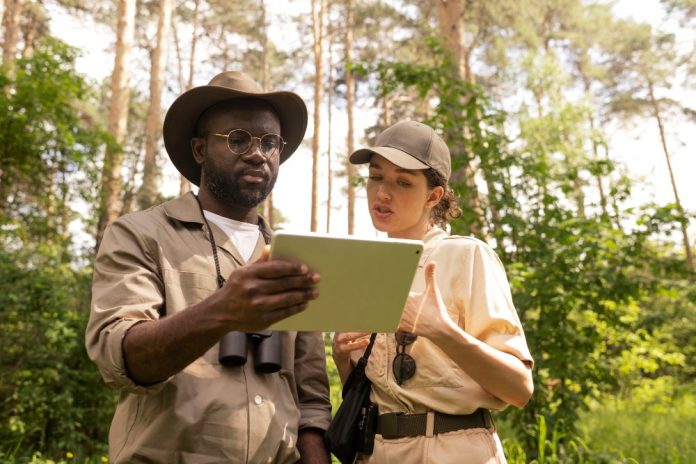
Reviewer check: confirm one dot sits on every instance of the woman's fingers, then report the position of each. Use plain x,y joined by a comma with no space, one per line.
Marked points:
346,342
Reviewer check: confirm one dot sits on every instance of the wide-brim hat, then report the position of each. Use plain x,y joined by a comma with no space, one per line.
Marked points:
409,145
180,121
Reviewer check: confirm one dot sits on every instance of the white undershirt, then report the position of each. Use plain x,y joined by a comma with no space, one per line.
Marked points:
245,236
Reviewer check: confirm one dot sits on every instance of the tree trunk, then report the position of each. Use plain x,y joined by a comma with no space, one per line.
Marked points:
329,95
179,57
595,148
267,209
31,29
350,102
317,33
147,194
450,16
386,111
184,184
660,126
110,199
10,24
194,42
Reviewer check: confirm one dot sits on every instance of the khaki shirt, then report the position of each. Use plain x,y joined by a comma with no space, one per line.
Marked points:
475,289
159,262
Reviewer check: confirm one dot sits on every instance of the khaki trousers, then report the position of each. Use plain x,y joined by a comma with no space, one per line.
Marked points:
471,446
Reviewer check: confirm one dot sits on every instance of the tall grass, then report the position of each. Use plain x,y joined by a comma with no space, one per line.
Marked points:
655,424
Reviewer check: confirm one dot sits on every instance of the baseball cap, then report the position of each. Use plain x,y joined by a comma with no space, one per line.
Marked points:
409,145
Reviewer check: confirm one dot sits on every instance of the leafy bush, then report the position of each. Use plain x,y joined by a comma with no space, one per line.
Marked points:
52,399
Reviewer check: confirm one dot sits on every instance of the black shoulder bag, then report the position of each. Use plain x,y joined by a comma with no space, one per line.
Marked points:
352,428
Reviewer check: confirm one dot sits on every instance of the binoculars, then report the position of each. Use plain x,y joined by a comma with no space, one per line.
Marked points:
266,345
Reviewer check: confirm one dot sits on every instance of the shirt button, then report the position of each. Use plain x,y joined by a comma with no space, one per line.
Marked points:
258,399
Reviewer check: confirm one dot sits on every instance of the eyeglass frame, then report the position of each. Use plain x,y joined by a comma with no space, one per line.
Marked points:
403,339
227,136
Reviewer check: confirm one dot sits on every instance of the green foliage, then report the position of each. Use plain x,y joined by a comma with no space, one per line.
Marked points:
48,145
52,399
53,404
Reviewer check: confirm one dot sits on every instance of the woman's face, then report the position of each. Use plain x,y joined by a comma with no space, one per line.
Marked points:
400,199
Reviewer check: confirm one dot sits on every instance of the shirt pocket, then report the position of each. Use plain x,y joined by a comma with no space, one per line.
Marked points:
434,368
184,289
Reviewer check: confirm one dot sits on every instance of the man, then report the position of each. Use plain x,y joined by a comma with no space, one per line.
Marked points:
171,281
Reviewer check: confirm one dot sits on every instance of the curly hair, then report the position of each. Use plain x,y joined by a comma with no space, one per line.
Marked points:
448,207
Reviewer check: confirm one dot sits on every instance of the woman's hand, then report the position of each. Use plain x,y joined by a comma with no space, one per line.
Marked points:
425,313
344,343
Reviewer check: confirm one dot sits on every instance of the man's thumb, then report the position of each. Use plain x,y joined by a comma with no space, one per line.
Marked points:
266,253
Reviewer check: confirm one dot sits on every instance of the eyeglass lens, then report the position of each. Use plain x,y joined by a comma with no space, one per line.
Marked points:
239,141
404,366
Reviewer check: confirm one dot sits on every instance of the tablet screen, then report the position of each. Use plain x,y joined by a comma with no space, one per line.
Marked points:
364,282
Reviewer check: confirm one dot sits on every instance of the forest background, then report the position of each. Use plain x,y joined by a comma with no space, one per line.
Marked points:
538,101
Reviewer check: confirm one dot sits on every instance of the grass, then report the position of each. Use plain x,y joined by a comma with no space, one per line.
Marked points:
648,430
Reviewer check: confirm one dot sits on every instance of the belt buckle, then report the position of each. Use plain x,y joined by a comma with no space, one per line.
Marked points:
389,425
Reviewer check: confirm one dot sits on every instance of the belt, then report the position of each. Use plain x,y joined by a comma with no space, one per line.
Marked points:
398,425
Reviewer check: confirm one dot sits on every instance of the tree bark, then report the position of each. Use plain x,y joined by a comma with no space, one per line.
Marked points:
329,95
265,83
147,194
179,58
194,42
32,28
10,23
317,34
110,199
350,103
450,16
184,184
660,126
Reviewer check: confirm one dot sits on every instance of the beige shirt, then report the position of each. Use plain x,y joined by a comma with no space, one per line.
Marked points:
475,289
160,262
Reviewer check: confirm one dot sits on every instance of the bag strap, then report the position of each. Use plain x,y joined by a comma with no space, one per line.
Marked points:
368,350
359,370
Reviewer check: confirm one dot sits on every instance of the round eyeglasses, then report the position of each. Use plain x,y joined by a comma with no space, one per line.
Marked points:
240,141
403,366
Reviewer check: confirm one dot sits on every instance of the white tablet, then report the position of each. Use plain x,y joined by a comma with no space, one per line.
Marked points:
364,282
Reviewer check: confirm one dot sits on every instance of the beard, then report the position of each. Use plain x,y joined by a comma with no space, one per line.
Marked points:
228,190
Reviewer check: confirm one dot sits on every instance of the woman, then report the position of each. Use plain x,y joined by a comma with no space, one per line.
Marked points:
460,350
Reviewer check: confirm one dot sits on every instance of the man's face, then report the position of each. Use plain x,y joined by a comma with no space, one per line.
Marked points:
238,180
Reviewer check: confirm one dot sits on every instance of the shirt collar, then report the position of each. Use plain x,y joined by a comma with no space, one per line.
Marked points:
435,234
430,240
185,209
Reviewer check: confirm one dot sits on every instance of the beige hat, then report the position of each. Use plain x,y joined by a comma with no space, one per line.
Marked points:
409,145
182,116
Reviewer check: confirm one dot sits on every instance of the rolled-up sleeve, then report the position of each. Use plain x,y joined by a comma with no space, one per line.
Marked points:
312,381
491,315
127,289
